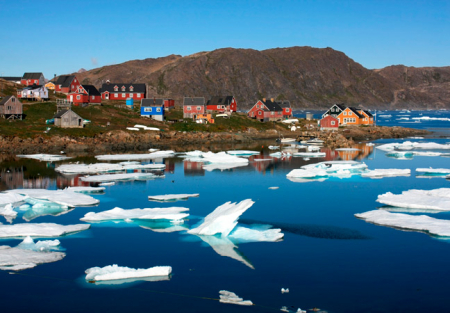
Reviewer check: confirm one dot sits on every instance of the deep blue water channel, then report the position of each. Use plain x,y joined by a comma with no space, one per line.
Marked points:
328,258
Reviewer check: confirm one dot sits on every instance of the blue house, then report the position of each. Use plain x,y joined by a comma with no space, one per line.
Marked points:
153,108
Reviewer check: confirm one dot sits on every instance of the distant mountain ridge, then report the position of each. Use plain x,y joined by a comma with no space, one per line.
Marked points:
308,77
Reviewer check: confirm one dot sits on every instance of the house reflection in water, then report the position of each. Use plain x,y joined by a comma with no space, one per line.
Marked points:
193,168
11,178
64,181
362,151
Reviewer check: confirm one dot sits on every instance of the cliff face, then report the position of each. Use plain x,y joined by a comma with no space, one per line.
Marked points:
308,77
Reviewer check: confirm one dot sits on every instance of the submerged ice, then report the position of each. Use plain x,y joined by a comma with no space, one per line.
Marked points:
232,298
172,197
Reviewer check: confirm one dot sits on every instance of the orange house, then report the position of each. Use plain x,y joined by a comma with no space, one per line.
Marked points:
350,116
367,118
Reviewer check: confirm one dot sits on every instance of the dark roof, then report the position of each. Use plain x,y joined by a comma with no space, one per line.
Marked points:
60,113
220,100
355,110
152,102
340,106
194,101
368,113
272,106
34,86
11,78
32,75
4,100
284,103
91,90
64,80
140,88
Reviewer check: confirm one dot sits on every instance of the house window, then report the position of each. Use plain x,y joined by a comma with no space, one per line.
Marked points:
131,95
199,108
131,88
116,95
345,113
188,108
116,88
93,97
349,113
75,80
13,99
218,106
332,122
158,109
123,88
147,109
78,97
138,95
73,87
259,113
123,95
272,113
287,110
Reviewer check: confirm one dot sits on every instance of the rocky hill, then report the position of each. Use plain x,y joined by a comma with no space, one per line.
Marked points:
308,77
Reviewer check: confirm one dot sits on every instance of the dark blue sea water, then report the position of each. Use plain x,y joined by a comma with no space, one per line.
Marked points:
328,258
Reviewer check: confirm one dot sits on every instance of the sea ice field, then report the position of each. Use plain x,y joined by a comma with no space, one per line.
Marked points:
203,231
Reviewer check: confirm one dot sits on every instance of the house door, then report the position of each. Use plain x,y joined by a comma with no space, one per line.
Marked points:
71,98
106,96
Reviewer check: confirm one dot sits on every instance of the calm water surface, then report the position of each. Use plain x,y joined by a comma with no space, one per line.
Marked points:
328,258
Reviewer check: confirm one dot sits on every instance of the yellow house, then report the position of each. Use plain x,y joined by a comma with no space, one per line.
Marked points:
50,86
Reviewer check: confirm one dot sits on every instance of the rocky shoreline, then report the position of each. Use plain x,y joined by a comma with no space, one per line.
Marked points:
122,141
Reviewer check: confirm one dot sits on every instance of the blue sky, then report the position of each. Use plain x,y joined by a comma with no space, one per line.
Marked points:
59,37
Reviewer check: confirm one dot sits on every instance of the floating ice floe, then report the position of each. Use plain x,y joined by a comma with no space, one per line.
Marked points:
258,233
35,208
436,199
63,197
44,245
115,272
105,167
220,160
280,154
307,173
242,152
40,230
408,145
8,197
19,258
416,138
309,154
223,219
284,290
273,188
111,183
421,223
172,213
327,169
175,197
232,298
86,189
391,172
45,157
120,177
441,172
274,147
313,148
385,115
8,212
145,156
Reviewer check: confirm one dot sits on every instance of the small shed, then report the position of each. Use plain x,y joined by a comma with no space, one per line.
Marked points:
329,123
68,119
11,108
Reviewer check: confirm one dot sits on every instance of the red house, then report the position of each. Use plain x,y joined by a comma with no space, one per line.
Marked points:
222,104
169,104
266,110
193,106
29,79
67,84
85,94
119,91
329,123
286,106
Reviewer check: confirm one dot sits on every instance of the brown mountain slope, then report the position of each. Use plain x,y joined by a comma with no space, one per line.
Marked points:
308,77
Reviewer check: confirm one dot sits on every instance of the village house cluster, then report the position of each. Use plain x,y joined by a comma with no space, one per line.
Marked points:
341,115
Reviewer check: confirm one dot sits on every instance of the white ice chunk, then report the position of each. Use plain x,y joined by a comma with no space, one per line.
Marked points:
86,189
408,145
273,188
232,298
307,173
174,197
432,171
36,208
242,152
422,223
132,128
40,230
105,167
223,219
9,197
115,272
42,245
107,184
8,212
243,234
64,197
428,118
274,147
280,154
145,156
118,177
284,290
45,157
171,213
309,154
16,259
223,158
335,166
436,199
427,153
221,166
390,172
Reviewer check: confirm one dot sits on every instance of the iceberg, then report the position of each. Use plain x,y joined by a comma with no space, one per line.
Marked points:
105,167
115,272
117,177
145,156
8,212
63,197
45,157
436,199
175,197
223,219
421,223
45,245
171,213
16,259
391,172
242,152
40,230
10,197
232,298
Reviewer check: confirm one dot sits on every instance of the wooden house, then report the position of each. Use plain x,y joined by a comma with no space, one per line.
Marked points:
153,108
68,119
266,110
367,117
33,92
204,118
193,106
335,110
286,106
67,84
120,91
50,86
222,104
169,104
329,123
29,79
350,116
11,108
13,79
85,94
